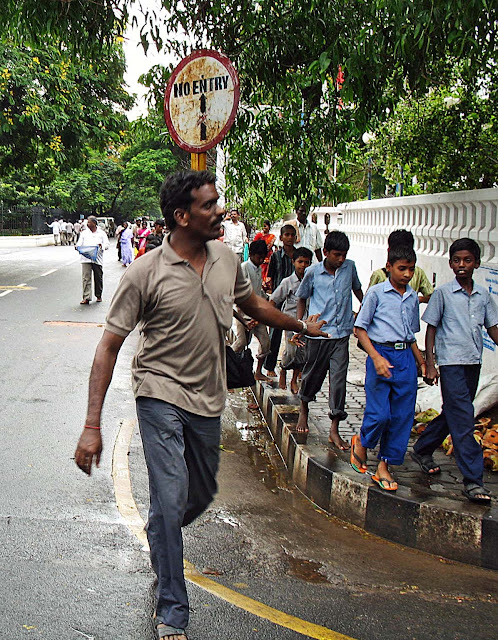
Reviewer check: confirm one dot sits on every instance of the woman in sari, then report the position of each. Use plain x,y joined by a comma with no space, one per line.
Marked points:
125,240
142,234
269,238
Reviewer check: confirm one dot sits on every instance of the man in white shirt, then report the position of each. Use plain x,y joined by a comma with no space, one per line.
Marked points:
69,231
235,234
308,234
56,230
92,236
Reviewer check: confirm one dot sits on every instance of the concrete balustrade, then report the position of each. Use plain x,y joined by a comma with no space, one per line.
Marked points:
436,221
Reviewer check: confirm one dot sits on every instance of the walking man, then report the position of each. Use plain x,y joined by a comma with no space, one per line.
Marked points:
308,234
182,294
235,234
56,230
92,236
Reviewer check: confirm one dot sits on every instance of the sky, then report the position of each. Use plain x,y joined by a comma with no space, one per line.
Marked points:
138,62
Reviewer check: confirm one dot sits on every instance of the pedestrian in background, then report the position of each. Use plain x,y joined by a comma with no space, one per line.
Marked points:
235,234
284,298
56,230
269,238
69,232
77,231
420,282
308,234
126,244
252,269
91,237
280,267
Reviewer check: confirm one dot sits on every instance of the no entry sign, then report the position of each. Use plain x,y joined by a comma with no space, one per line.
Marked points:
201,100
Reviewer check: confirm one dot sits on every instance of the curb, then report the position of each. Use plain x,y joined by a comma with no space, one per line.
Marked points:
466,533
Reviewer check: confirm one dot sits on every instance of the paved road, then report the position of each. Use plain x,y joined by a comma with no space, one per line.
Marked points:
70,567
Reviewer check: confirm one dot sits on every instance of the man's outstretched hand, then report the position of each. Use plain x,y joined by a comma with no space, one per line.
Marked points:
88,450
314,327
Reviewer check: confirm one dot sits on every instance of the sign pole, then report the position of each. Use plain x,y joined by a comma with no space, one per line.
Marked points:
198,161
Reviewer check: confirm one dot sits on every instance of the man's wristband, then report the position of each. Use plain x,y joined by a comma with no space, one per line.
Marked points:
304,330
89,426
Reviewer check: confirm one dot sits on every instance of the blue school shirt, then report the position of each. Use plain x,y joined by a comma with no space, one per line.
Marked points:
459,319
388,316
330,296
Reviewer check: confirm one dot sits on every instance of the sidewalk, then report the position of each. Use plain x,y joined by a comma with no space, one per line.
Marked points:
427,513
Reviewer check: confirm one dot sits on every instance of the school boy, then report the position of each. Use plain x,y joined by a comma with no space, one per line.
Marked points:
280,267
455,315
420,282
328,285
252,269
386,327
284,297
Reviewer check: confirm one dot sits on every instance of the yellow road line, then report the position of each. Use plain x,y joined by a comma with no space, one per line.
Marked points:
19,287
128,509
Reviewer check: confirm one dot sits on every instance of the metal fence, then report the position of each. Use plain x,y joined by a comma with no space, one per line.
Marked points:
26,221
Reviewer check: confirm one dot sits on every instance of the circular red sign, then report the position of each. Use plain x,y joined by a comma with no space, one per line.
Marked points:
201,100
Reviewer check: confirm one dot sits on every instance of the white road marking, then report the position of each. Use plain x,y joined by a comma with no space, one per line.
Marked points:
48,273
5,293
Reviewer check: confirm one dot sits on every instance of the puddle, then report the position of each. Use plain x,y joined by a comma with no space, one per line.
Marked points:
245,431
306,570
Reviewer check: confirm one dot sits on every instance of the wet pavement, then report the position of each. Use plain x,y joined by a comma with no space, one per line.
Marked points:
427,513
447,484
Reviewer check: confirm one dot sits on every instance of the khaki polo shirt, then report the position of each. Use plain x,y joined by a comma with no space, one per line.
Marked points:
183,319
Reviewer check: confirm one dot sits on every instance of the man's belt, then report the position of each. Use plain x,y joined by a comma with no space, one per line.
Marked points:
399,346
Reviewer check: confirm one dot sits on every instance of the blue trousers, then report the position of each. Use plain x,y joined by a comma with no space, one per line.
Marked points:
390,405
458,388
182,453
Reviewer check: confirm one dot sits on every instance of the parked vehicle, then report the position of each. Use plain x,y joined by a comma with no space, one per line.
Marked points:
108,225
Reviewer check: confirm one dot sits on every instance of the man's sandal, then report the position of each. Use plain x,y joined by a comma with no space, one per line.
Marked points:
426,463
355,461
475,493
165,631
385,484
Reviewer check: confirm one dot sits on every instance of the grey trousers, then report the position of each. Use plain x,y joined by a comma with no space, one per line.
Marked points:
87,268
326,356
182,453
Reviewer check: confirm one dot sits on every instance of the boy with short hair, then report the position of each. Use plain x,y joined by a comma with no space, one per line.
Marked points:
455,315
280,267
420,282
386,327
328,285
252,269
284,297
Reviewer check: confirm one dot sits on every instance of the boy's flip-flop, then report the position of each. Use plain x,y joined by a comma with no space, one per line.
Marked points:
354,458
426,463
476,493
385,484
165,631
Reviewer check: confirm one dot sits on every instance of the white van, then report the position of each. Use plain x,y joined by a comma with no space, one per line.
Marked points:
108,225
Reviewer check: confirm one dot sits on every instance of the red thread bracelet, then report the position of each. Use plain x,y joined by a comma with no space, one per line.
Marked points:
87,426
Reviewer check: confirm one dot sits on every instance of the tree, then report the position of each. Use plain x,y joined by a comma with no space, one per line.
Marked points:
53,106
447,139
315,74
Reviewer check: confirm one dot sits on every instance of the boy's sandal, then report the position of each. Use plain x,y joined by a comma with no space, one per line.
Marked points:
385,484
426,463
475,493
165,631
355,461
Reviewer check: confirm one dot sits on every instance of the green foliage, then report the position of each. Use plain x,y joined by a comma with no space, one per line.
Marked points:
296,115
53,105
447,139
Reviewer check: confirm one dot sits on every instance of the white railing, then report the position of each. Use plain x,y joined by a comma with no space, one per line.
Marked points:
436,221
